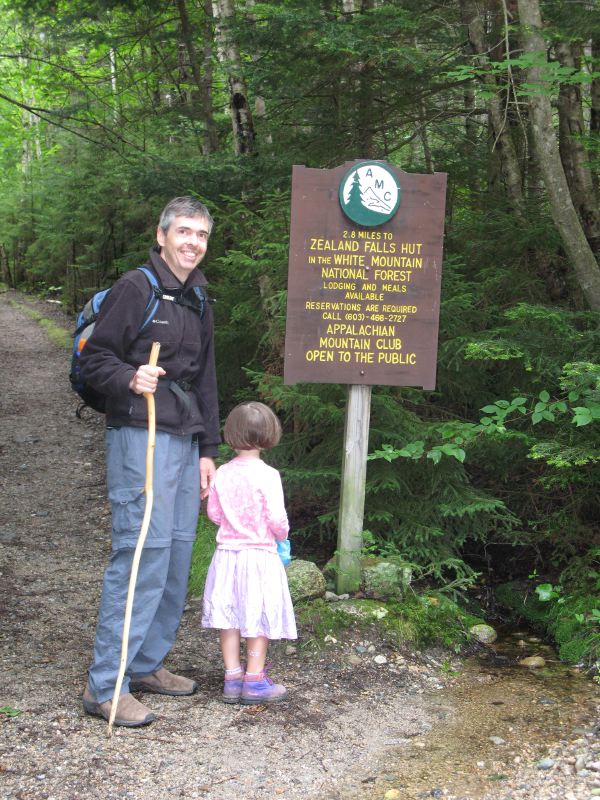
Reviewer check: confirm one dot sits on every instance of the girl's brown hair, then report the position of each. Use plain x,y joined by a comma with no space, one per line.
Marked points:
251,426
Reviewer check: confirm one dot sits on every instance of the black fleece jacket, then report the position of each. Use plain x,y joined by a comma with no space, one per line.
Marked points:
117,348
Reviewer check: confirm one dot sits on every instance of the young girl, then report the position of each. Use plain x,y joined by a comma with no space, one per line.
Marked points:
246,592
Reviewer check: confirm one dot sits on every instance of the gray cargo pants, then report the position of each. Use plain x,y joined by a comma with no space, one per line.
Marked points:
164,566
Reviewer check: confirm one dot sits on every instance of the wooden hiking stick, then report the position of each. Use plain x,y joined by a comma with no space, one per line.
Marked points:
149,492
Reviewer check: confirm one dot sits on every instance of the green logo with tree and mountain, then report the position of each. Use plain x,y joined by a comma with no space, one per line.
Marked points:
369,193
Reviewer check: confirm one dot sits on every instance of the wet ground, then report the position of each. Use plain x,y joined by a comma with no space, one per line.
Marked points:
496,726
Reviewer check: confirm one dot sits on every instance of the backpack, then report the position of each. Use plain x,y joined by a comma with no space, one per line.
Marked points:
86,321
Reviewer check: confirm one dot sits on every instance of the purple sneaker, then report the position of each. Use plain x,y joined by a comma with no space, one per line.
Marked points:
232,687
260,690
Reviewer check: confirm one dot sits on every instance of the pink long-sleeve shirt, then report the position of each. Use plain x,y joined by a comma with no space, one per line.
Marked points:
246,502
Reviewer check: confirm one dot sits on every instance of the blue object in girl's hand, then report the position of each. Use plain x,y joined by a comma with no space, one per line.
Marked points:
285,551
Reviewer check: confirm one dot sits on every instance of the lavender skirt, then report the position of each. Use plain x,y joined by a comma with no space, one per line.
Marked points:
247,590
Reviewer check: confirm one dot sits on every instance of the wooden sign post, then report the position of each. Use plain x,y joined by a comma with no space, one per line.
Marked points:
366,242
352,495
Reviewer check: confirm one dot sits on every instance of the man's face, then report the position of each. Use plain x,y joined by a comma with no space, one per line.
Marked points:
184,245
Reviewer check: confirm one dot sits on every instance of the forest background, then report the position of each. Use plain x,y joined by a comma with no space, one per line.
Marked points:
109,109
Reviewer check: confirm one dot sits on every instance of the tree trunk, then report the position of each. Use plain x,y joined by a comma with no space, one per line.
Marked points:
5,275
112,57
366,108
30,145
471,135
563,211
241,116
595,102
595,89
427,155
210,143
423,117
572,152
473,19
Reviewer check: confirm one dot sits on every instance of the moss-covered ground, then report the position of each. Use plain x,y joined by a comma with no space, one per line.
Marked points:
57,334
418,620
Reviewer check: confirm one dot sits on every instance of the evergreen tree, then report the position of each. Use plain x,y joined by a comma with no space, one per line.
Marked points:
355,204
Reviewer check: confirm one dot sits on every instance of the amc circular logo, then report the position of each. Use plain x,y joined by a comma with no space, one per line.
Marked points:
369,193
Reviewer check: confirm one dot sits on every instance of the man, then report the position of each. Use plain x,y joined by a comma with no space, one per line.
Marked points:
115,361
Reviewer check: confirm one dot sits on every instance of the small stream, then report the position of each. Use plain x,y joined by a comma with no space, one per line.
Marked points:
497,716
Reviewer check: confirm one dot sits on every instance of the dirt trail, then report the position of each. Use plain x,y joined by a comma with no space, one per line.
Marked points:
340,732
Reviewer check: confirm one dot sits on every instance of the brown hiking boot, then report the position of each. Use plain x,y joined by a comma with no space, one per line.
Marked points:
163,682
130,712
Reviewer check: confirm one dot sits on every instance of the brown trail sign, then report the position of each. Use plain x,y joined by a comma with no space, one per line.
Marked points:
365,264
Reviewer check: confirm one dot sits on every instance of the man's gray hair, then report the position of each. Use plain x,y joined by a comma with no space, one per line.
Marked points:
183,207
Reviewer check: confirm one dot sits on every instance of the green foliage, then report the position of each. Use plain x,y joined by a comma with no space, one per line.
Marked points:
569,612
204,547
424,503
250,310
547,592
550,500
554,73
9,711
